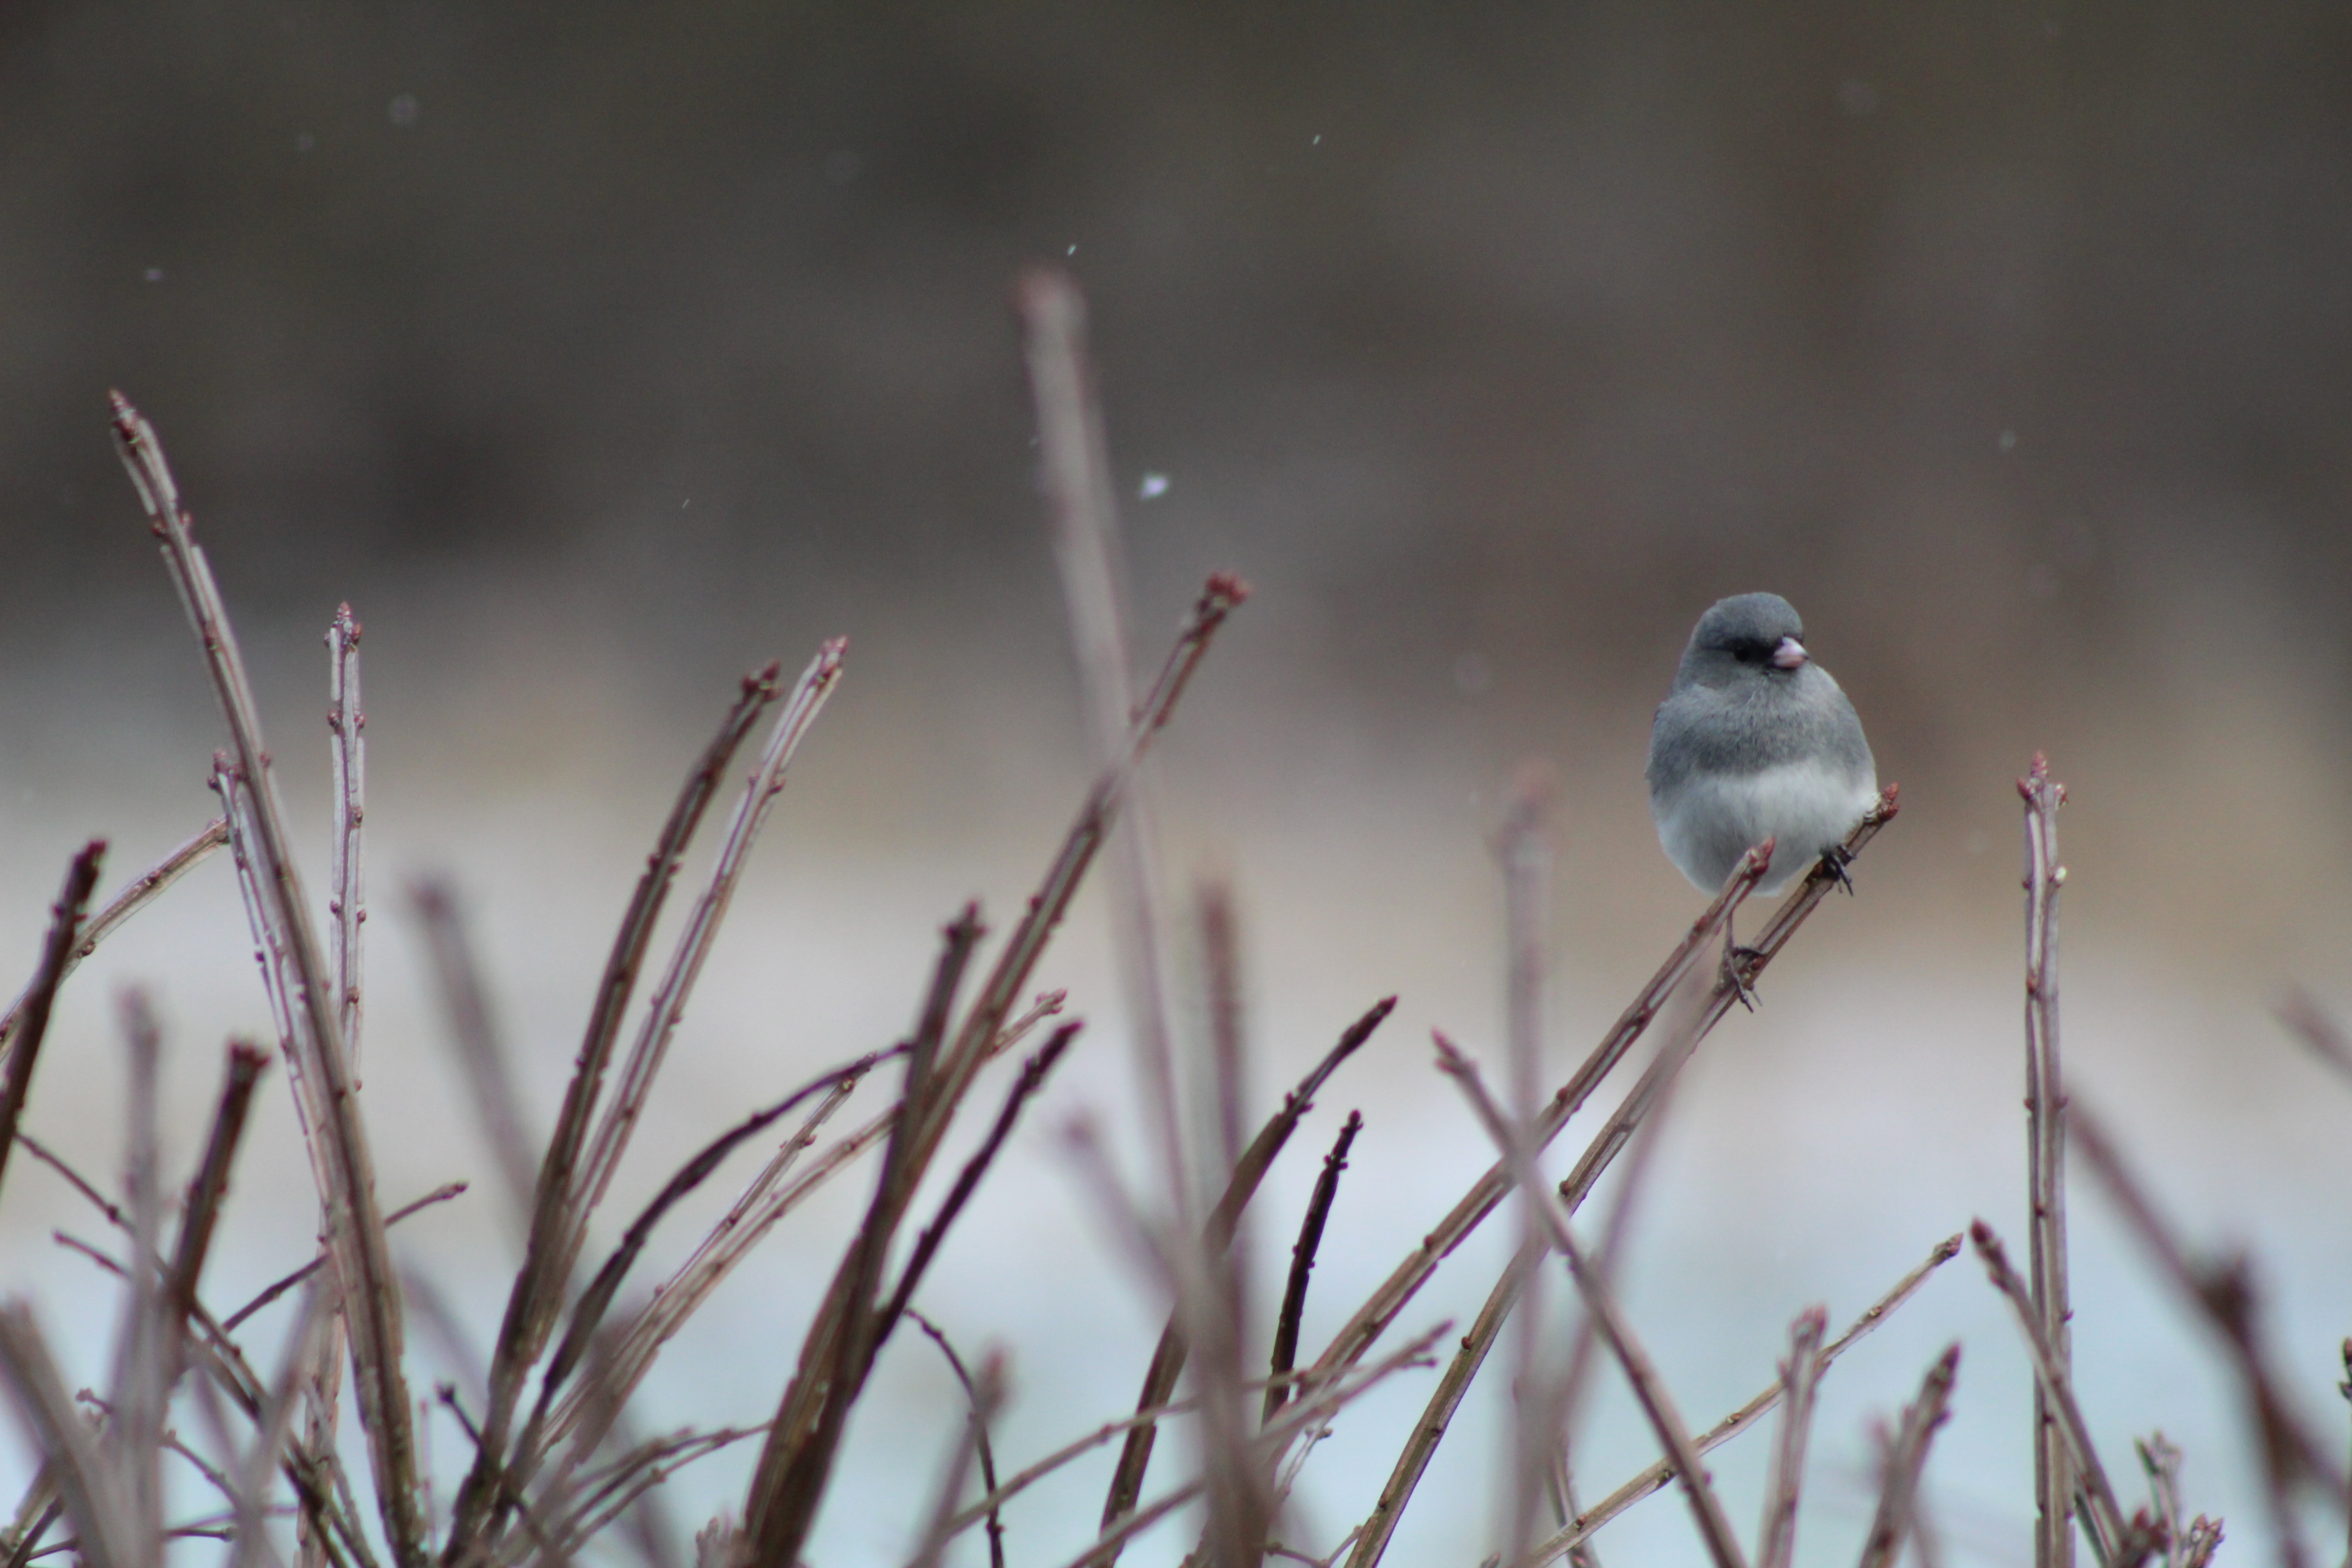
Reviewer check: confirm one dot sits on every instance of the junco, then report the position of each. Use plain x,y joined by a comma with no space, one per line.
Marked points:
1755,742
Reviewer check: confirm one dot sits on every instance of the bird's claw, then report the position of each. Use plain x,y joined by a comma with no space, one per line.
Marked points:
1738,965
1835,861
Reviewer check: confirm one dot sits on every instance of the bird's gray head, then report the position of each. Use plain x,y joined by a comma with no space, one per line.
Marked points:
1748,637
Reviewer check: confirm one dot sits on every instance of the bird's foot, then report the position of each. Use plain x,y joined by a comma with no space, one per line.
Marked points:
1835,861
1738,972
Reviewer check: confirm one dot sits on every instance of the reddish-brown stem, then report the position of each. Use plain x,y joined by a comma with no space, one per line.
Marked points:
1906,1459
2045,1132
65,922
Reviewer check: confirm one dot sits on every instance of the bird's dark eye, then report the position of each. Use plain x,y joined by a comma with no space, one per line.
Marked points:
1750,650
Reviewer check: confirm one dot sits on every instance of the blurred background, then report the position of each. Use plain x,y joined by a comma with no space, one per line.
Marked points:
598,353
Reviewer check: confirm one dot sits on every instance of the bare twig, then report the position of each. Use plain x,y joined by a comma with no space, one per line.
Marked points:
440,1194
1649,1389
980,1447
65,924
323,1381
986,1395
1302,1262
1799,1376
1657,1475
2045,1099
1074,472
1615,1227
2106,1513
347,901
1524,849
141,1386
474,1034
341,1164
1213,1286
207,1192
535,1302
142,891
1906,1457
1173,1350
271,1433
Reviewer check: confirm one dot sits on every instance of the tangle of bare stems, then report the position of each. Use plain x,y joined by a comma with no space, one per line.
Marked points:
554,1462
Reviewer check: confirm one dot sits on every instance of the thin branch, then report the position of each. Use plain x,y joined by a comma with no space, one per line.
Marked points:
980,1447
2106,1513
1659,1475
1801,1374
65,924
1524,849
474,1039
2045,1098
142,891
1616,1227
1906,1457
342,1167
440,1194
347,902
1649,1389
271,1433
1214,1285
1074,474
986,1395
142,1389
1302,1263
207,1189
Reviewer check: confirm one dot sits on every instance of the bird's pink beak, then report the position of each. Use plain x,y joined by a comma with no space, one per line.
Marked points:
1790,655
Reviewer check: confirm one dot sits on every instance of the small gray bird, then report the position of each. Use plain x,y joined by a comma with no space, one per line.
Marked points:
1756,742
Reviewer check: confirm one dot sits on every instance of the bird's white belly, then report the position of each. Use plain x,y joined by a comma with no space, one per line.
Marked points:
1714,818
